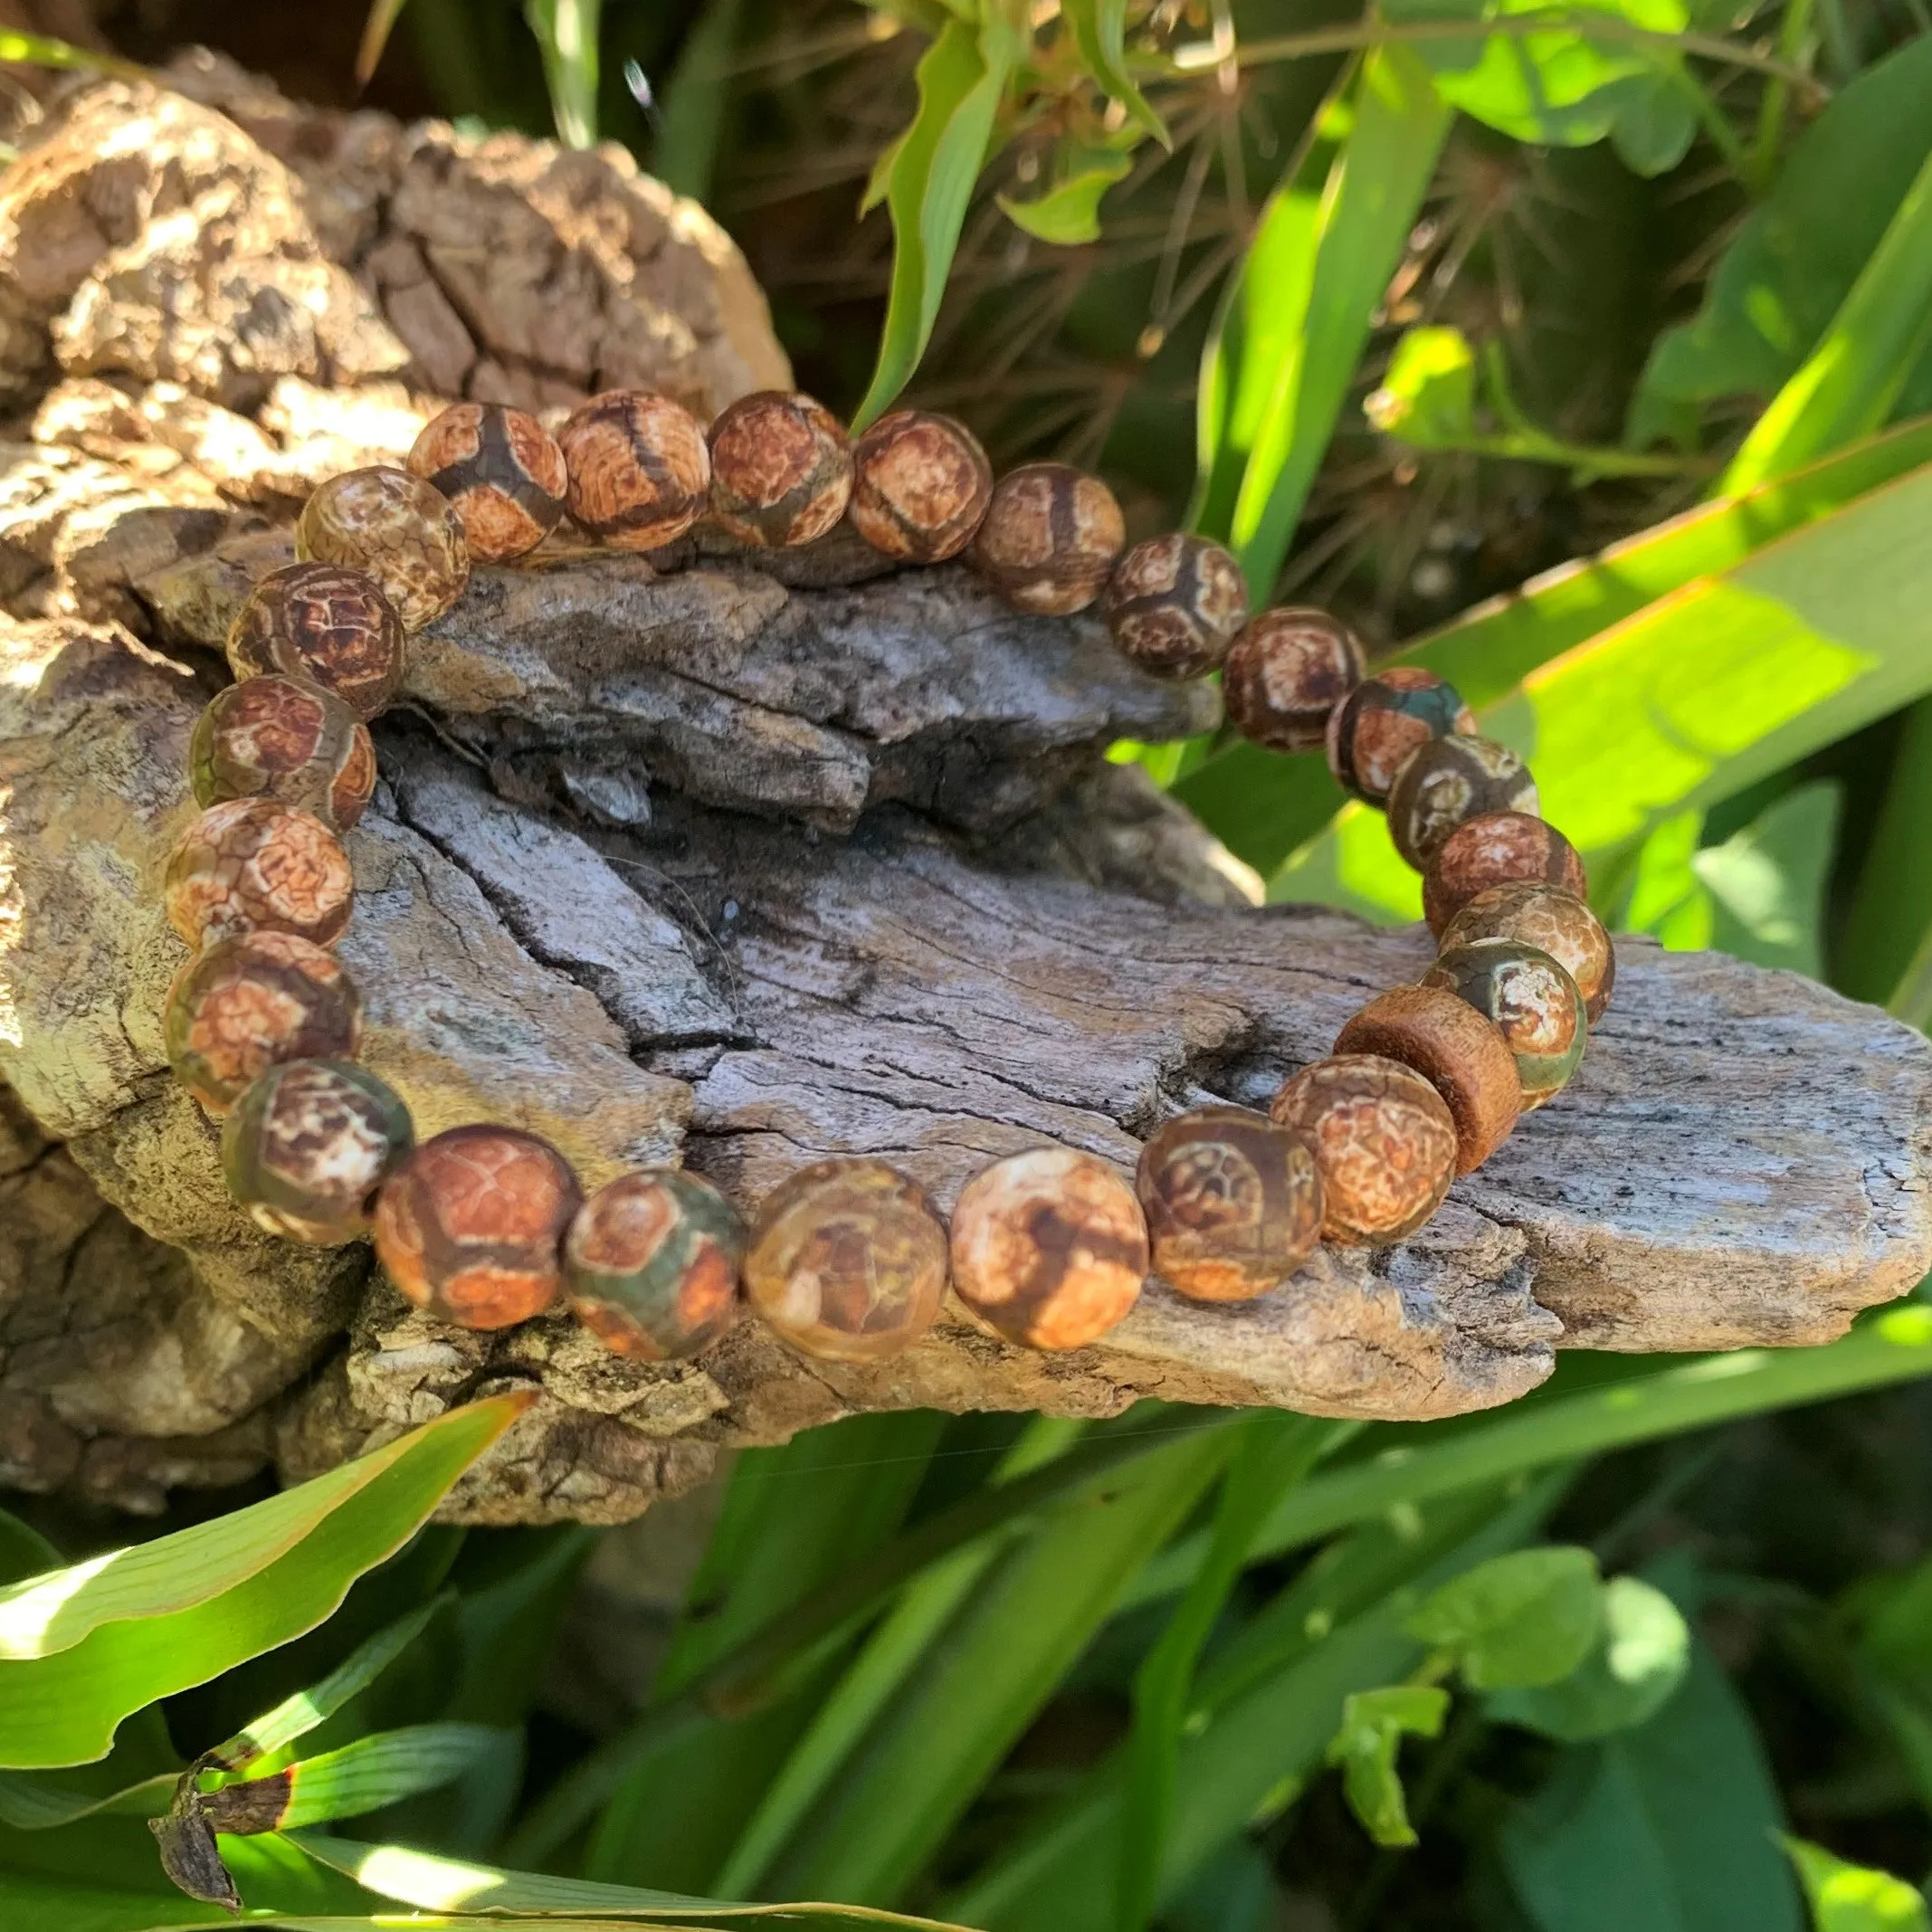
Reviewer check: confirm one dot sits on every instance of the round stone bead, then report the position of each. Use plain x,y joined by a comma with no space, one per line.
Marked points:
1234,1202
249,1003
1497,849
308,1145
499,470
1384,721
1531,1001
1447,782
252,865
1286,673
1049,1248
397,528
327,623
1456,1050
1174,604
781,469
1552,920
470,1226
1384,1141
640,471
287,740
847,1261
921,486
651,1265
1050,538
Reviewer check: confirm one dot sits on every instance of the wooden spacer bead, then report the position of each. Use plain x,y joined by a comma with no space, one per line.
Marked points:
1049,1248
1456,1050
1384,1141
1496,848
1447,782
1531,1001
1286,673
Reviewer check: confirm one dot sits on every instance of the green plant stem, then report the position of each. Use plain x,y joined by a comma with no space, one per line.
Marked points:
1586,26
1775,106
1535,447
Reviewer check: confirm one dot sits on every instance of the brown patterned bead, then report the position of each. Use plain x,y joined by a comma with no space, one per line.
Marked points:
847,1261
651,1265
397,528
1554,921
1174,604
470,1226
308,1145
1384,721
781,469
1531,1001
501,472
287,740
1497,849
1234,1202
639,470
1049,1248
921,486
1456,1050
249,1003
252,865
1050,537
325,622
1447,782
1385,1140
1286,673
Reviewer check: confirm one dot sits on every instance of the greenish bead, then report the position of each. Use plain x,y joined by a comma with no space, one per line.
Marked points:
650,1264
1532,1000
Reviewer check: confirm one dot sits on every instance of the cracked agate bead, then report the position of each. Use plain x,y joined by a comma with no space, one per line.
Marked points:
1497,849
1456,1050
1286,673
252,865
1447,782
327,622
398,529
1384,721
651,1265
308,1145
1531,1001
1049,1248
781,469
639,470
1050,538
246,1004
1384,1141
499,470
286,740
470,1226
847,1261
921,486
1174,604
1234,1202
1554,921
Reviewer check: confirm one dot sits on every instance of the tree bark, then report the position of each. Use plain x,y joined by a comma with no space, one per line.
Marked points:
741,861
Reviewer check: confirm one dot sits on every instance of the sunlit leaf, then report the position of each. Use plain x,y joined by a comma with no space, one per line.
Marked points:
1428,395
1069,213
1374,1724
1636,1665
1528,1618
1848,1898
1100,32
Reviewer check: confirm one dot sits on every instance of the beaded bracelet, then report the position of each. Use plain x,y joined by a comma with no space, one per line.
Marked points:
847,1259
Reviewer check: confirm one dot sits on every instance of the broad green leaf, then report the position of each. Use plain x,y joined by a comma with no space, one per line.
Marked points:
1100,32
1890,912
362,1776
1668,1826
1654,118
86,1646
1666,895
1428,397
1296,318
1799,253
1069,213
567,36
1847,1897
1528,1618
961,77
1374,1724
1636,1665
1263,805
685,151
1767,883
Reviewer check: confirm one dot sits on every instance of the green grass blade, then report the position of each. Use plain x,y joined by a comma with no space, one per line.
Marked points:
567,33
376,27
1890,913
362,1776
1100,32
88,1645
685,152
1852,380
1263,805
42,50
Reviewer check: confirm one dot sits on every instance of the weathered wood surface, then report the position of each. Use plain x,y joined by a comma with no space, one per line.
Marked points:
699,863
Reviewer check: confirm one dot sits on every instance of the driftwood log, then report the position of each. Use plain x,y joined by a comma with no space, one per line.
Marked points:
706,857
